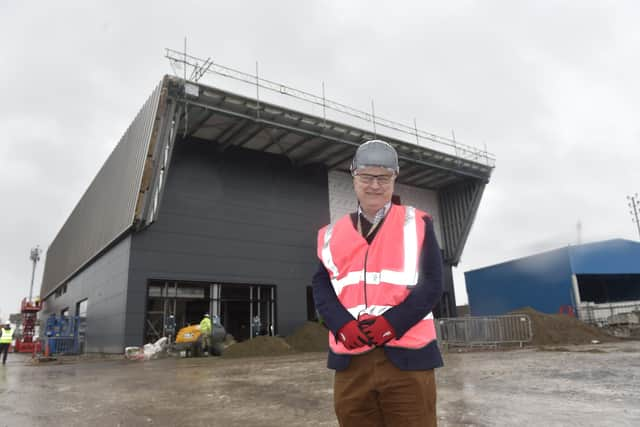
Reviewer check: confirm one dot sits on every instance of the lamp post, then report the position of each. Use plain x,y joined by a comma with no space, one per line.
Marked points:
35,257
634,205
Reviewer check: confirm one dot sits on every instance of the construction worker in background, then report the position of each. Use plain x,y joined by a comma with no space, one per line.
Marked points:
379,277
170,327
216,320
256,325
205,331
5,341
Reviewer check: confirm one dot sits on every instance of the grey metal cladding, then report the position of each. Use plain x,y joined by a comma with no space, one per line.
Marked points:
104,285
236,216
107,208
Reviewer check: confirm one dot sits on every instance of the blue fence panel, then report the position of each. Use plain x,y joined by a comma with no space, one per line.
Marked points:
62,335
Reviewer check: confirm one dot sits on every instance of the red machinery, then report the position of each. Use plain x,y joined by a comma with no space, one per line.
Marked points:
26,342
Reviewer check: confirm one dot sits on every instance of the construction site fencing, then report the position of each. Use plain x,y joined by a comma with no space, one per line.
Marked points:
61,335
62,345
484,331
605,313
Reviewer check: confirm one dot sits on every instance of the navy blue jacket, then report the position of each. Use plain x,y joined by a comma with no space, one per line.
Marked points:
419,302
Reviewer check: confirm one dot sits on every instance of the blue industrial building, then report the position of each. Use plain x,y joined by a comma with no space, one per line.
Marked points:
601,277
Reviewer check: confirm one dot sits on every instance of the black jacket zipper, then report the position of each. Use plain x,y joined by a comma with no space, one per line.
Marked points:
366,254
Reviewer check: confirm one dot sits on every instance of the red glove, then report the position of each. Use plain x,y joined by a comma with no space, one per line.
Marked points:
377,329
352,336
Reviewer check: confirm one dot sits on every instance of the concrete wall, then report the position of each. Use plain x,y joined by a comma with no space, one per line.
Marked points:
239,217
104,284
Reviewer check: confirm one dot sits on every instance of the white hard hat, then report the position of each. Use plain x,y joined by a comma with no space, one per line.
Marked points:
375,153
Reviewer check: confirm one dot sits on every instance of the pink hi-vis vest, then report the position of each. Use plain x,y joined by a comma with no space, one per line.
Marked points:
389,264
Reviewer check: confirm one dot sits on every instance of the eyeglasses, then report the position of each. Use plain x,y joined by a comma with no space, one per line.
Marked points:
368,179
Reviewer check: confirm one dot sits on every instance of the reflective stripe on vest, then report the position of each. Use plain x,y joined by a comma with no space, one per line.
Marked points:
7,336
391,270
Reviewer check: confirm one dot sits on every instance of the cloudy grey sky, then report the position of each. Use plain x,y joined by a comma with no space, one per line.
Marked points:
551,88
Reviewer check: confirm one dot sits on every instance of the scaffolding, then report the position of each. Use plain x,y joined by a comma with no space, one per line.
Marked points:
200,67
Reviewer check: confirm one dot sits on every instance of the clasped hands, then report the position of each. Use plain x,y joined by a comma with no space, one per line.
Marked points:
367,330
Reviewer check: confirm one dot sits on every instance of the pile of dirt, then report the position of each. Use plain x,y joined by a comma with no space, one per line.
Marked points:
258,346
309,337
555,329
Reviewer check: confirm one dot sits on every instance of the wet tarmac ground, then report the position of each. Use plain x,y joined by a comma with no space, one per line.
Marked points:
596,385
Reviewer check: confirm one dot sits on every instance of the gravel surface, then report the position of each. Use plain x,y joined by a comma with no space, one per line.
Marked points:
586,385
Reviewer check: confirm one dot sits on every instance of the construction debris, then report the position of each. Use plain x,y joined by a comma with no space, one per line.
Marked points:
133,353
631,318
562,329
148,352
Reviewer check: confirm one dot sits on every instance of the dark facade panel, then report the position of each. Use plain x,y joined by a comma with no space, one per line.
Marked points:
104,285
236,216
541,281
107,208
458,207
446,307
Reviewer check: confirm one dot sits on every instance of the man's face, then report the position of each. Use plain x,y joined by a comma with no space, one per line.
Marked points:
373,187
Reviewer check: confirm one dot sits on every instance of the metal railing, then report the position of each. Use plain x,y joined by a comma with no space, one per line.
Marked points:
62,345
600,314
200,66
62,335
487,330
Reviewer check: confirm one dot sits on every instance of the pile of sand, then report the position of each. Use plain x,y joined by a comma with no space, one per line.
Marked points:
554,329
309,337
258,346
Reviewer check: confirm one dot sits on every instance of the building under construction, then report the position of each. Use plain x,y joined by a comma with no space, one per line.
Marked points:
211,201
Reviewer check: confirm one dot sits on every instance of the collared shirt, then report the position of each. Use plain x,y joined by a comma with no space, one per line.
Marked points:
378,216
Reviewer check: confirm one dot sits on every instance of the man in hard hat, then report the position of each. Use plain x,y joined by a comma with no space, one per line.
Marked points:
205,331
256,325
170,328
5,341
215,319
379,277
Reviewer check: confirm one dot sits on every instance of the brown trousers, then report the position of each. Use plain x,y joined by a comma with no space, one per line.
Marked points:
372,392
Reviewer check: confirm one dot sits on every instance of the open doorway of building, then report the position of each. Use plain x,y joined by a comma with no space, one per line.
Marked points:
235,304
607,288
235,317
188,302
248,310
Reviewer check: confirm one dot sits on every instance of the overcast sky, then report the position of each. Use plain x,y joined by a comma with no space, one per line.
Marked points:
551,88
